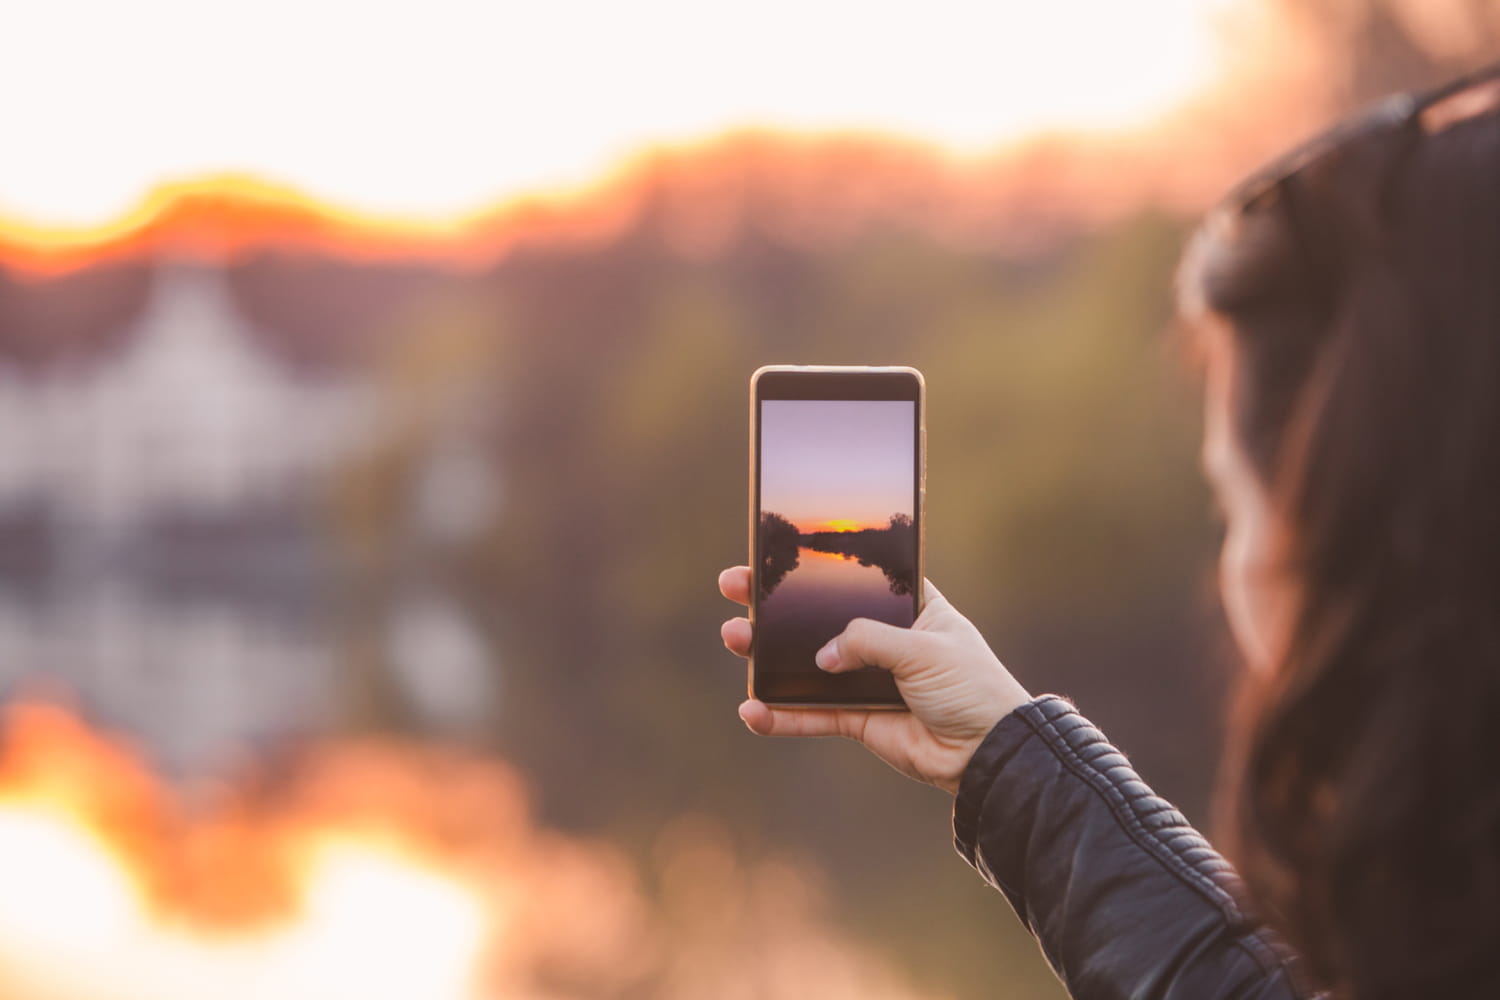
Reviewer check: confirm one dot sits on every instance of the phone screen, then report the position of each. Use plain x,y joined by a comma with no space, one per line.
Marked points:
837,535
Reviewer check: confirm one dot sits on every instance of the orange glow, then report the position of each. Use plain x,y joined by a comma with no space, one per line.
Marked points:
111,892
209,216
817,555
375,870
814,191
810,183
842,524
809,186
219,217
1006,121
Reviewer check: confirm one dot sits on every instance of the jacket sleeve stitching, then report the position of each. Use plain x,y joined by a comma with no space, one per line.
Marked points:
1123,806
1040,718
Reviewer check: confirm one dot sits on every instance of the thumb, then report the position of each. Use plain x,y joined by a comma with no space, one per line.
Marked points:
868,643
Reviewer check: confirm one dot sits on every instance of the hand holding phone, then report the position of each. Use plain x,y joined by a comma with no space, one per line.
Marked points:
954,685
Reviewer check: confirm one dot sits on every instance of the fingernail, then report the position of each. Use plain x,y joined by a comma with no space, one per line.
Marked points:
828,656
743,717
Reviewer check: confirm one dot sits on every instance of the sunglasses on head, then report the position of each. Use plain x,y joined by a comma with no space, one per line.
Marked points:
1409,114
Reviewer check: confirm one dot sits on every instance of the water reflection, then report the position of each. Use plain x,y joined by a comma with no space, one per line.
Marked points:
167,550
891,549
813,584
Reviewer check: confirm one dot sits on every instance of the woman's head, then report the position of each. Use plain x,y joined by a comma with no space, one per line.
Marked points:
1349,309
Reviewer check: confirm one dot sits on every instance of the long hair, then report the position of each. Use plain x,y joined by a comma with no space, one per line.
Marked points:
1362,793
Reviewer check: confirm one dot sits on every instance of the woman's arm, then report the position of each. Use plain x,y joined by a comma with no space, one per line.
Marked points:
1126,899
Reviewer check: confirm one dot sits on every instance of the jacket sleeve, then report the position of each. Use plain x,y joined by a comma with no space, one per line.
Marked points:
1126,899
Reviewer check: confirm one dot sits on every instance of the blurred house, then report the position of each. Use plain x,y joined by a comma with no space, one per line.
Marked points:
159,544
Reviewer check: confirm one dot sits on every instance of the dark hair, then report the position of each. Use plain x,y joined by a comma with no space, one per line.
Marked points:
1362,300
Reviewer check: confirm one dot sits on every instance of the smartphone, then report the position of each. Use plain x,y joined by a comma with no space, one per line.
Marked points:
837,482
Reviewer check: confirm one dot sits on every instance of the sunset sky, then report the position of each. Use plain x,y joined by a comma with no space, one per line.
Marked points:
438,109
836,465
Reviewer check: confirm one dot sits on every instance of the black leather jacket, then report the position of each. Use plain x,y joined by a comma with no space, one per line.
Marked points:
1126,899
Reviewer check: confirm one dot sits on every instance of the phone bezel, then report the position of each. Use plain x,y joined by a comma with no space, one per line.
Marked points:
813,688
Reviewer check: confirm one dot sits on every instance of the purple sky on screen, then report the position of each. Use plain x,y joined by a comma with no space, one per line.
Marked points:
826,459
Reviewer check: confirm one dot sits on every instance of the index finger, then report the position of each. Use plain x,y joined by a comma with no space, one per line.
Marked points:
734,583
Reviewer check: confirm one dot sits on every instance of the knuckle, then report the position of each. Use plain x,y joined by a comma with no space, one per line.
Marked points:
856,635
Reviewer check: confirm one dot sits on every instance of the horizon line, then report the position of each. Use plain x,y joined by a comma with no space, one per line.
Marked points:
582,212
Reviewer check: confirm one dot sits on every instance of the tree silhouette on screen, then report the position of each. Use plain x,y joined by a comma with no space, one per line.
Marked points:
891,549
779,542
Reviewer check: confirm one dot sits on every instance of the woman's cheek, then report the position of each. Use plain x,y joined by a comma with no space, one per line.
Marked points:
1245,583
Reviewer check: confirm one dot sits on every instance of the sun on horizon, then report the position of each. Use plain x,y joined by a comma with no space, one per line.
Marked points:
839,524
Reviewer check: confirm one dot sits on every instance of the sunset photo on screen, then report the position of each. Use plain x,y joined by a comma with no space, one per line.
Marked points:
837,531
